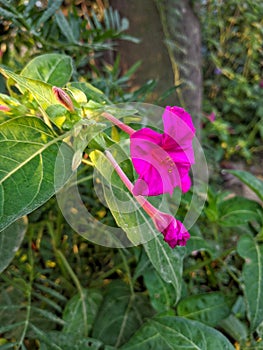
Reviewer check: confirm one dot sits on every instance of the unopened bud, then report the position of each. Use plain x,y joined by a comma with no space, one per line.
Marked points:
63,98
4,108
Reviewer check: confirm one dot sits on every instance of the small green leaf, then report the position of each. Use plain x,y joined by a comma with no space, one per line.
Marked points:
49,12
252,274
168,332
91,92
73,313
65,27
56,340
54,69
69,342
208,308
120,315
168,262
255,184
29,152
238,211
235,328
10,240
162,294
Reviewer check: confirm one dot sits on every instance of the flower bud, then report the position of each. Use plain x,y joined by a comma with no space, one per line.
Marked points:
4,108
63,98
173,230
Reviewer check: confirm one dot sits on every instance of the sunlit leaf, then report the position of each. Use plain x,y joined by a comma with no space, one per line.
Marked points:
54,69
29,151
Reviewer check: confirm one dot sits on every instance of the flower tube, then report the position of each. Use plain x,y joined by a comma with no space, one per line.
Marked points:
174,232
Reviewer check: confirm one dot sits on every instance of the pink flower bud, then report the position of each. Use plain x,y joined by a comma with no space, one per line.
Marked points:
63,98
4,108
173,230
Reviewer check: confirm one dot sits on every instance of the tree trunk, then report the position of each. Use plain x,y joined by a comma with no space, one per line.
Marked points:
170,49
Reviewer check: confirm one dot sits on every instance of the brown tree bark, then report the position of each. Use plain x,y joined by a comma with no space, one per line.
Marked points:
170,48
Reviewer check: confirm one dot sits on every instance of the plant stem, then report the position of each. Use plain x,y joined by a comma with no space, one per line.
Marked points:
207,262
118,123
128,271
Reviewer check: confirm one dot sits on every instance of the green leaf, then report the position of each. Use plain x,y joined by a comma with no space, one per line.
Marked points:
91,92
7,14
198,243
29,152
235,328
126,211
73,313
168,262
162,295
65,27
54,69
10,240
50,11
238,211
255,184
209,308
168,332
59,341
120,314
252,275
41,91
45,97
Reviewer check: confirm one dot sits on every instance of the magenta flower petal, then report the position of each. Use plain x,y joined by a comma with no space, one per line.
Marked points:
178,123
154,165
174,232
163,161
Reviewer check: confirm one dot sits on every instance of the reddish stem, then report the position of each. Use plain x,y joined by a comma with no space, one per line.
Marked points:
118,123
147,206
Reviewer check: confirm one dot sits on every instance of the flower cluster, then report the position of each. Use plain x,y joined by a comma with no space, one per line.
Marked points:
163,162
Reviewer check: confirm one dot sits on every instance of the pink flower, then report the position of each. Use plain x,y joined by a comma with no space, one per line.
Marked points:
173,230
163,161
211,117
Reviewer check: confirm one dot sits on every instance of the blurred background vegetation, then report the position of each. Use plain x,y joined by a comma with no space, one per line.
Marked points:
204,55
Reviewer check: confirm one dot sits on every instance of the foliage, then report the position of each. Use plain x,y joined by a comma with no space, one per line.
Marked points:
61,291
108,311
232,37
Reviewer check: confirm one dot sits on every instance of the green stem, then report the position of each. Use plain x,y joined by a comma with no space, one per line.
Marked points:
128,271
207,262
114,269
79,288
